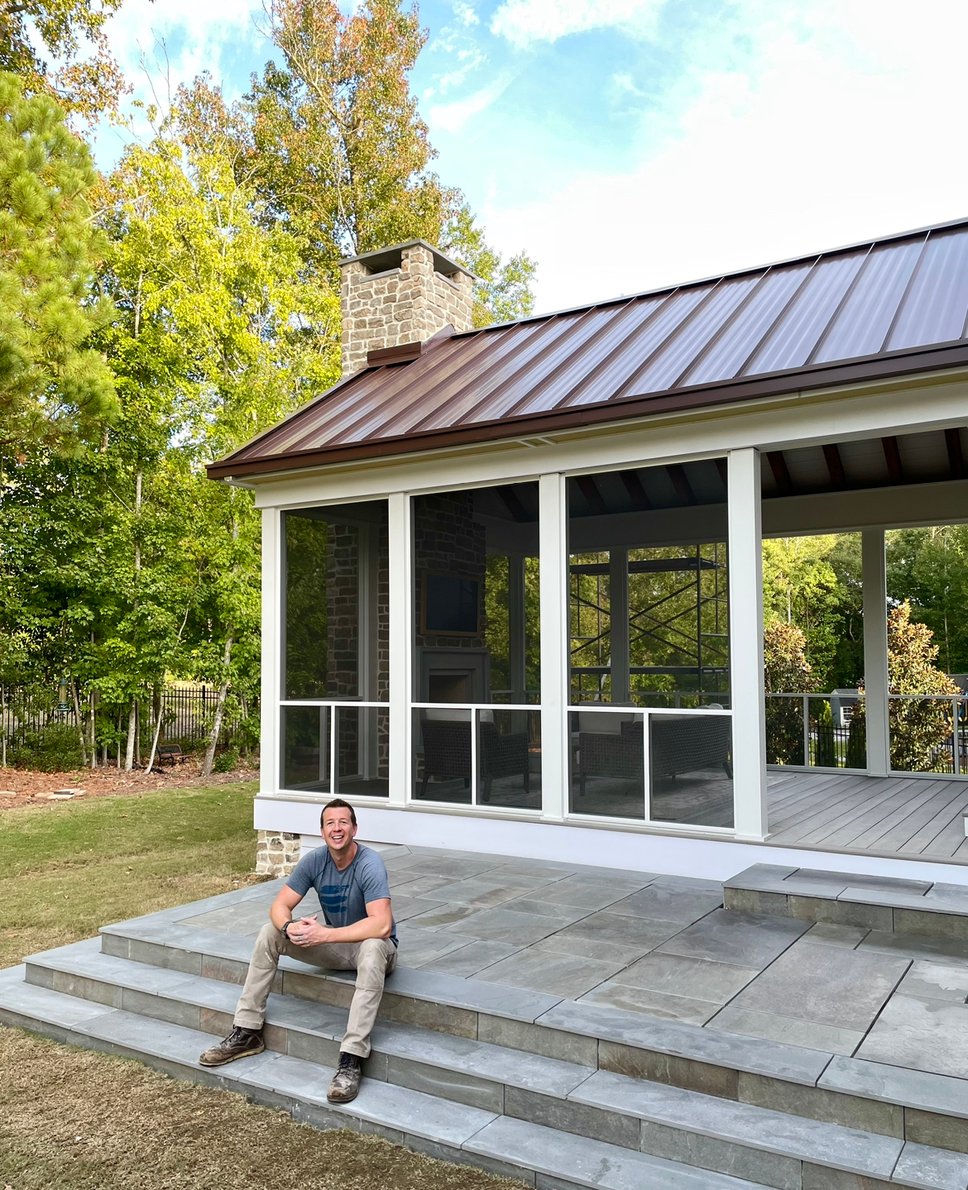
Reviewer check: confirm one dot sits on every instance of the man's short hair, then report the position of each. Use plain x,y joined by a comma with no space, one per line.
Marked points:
337,804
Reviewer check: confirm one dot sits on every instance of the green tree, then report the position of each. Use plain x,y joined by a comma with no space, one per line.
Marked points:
919,727
338,150
54,388
72,34
929,568
786,671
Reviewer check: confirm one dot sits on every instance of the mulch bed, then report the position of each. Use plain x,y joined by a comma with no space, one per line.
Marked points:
25,787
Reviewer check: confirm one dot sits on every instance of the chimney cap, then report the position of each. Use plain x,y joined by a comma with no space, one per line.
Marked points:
383,259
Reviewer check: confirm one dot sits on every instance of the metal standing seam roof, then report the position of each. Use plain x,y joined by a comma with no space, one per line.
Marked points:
888,307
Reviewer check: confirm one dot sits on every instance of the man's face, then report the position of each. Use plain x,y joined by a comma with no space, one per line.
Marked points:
338,829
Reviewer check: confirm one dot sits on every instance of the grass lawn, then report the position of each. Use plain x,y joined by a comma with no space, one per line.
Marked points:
77,1120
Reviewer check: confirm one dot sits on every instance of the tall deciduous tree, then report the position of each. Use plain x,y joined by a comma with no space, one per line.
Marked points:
340,153
54,388
61,46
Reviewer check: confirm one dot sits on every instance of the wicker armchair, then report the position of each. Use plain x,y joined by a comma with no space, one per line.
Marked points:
680,744
447,754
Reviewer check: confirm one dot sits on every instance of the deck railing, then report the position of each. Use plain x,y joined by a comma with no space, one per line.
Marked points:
929,733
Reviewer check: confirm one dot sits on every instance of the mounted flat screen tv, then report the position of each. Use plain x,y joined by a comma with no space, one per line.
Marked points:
449,605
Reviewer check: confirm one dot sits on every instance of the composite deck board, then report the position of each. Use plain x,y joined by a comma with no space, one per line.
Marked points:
892,807
799,803
837,809
927,820
911,817
909,797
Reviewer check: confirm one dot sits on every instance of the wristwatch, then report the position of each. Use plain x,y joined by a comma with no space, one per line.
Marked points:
285,928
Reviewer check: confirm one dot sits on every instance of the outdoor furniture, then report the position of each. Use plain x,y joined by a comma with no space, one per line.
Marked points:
679,743
170,754
447,753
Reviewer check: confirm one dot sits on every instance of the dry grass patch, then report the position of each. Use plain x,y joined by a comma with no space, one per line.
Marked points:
76,1120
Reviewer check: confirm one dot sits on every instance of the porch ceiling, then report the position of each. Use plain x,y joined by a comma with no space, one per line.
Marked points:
889,462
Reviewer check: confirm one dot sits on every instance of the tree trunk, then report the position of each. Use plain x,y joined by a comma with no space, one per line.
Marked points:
223,691
79,725
157,731
132,729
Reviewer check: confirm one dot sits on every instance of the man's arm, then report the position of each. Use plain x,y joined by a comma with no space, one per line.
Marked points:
280,911
378,923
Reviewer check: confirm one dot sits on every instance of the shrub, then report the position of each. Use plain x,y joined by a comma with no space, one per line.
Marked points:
55,749
226,761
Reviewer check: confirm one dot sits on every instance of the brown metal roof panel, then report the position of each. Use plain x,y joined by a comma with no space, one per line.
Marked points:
936,304
613,336
464,370
539,360
684,346
610,380
796,334
753,321
861,324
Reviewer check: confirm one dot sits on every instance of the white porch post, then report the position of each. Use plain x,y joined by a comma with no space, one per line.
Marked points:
746,643
553,547
273,644
876,683
400,613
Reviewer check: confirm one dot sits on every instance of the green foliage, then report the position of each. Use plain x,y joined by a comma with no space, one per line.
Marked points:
823,727
919,728
786,670
929,568
54,388
66,30
55,749
226,761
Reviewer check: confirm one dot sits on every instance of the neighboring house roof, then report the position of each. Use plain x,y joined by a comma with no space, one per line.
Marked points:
889,307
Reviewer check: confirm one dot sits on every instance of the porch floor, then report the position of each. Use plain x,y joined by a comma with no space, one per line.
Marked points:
903,817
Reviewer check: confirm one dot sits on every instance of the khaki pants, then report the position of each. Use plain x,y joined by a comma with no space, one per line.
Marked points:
372,960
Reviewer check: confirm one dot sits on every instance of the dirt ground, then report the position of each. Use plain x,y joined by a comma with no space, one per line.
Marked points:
24,787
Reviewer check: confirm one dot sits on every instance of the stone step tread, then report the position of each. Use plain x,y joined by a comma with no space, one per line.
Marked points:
740,1124
83,960
674,1038
857,889
300,1087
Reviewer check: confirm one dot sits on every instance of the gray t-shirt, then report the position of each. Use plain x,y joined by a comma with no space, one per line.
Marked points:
343,895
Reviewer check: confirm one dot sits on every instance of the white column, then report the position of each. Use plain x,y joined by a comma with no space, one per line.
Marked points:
876,683
273,649
746,643
553,547
401,644
618,601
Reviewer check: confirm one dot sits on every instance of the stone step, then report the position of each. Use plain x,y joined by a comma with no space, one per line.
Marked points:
770,1147
894,1101
544,1157
934,910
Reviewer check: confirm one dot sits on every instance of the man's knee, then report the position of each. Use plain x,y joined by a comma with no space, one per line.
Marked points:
371,958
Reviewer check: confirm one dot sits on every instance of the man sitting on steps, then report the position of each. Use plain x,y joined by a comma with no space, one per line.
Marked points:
359,934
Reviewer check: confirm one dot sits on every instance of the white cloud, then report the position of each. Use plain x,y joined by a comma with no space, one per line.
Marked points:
526,22
453,117
466,14
838,127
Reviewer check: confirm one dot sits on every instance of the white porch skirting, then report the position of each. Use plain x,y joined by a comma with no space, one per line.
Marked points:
603,845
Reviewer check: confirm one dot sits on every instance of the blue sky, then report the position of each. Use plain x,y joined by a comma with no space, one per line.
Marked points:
637,143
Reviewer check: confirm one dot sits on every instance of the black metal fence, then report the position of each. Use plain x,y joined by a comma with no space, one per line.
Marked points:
29,715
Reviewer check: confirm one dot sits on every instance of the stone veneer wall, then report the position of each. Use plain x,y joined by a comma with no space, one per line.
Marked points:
407,304
276,853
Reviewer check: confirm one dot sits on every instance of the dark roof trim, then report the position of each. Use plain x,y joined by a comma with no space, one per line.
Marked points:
811,378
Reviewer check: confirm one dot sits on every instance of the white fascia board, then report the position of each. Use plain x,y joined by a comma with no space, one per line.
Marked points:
792,420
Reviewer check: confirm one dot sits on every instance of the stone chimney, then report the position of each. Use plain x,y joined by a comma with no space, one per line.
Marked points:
400,297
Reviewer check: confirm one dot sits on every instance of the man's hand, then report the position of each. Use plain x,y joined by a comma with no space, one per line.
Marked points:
306,931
